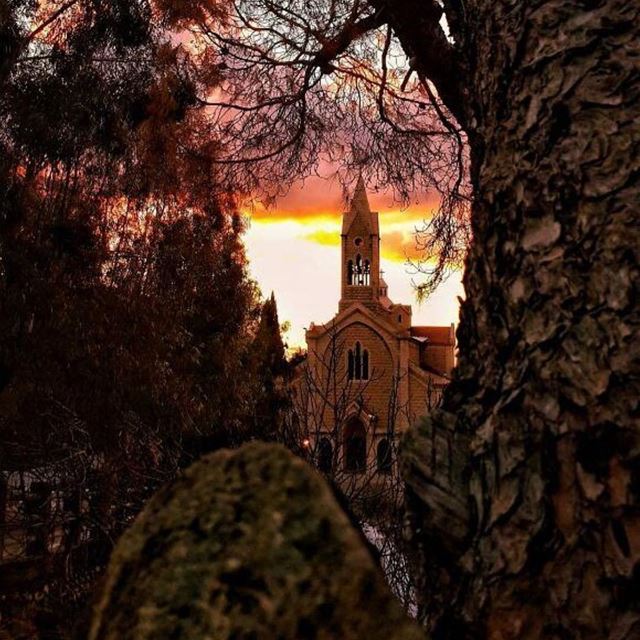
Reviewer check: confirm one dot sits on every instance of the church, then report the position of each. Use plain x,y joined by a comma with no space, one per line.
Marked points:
369,373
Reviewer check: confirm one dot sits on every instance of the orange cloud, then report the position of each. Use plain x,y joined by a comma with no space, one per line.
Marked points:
312,211
322,200
398,246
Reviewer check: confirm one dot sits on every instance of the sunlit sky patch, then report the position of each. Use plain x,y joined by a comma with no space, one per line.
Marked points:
294,250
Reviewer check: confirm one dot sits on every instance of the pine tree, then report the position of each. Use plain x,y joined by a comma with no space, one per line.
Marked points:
269,368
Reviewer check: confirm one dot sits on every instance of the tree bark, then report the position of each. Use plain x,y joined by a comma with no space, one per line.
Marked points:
524,488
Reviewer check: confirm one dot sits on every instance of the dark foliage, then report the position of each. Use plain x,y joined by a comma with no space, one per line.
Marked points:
127,316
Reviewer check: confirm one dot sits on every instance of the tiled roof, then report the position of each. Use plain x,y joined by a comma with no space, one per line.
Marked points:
442,336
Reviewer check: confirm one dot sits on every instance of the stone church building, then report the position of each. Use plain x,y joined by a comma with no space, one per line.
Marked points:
369,373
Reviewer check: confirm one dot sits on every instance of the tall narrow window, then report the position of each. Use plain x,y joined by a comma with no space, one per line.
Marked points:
358,363
367,273
359,275
350,272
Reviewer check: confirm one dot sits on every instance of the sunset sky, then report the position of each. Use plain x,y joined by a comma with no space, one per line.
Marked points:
294,250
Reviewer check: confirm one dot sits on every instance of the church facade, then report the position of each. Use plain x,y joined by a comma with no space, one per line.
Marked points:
369,373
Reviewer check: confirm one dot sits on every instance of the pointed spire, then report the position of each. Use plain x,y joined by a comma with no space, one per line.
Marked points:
360,209
360,202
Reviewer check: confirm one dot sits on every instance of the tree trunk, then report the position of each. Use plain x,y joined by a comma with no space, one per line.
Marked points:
524,488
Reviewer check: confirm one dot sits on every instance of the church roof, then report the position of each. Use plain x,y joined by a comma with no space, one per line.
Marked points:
441,336
429,369
372,318
383,298
360,209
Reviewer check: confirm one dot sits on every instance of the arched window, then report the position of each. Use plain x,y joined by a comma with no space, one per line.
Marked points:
359,272
359,275
325,456
355,447
358,363
383,457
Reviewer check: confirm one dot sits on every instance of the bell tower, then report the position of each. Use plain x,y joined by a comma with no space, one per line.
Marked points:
360,270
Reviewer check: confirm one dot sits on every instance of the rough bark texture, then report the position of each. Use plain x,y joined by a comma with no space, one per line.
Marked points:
248,544
525,487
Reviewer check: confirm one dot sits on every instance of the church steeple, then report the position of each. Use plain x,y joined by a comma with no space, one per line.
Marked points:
360,251
360,211
360,200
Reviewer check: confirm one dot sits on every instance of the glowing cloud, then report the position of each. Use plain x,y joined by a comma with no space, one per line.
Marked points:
324,237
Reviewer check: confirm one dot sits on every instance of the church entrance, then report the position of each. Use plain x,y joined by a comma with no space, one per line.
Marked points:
355,446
